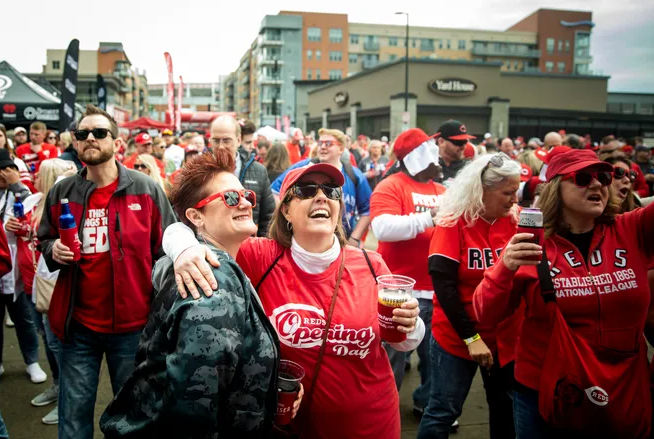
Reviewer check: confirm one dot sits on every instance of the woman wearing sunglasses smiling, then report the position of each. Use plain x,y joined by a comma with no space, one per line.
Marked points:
308,280
581,359
208,367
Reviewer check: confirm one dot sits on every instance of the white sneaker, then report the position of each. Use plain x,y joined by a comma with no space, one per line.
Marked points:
9,322
2,369
51,418
36,373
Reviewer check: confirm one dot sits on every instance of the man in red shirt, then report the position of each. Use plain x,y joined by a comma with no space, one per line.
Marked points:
143,143
37,150
297,150
402,208
101,303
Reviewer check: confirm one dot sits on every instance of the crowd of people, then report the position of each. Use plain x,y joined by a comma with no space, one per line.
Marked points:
206,258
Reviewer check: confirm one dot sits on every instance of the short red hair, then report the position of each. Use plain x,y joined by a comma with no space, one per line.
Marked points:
191,184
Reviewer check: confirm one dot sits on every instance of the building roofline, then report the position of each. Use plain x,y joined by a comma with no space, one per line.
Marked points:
630,93
430,28
554,75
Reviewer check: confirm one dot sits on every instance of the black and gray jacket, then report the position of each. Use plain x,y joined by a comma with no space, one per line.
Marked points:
254,176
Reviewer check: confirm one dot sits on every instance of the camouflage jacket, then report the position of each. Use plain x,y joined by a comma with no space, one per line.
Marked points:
205,368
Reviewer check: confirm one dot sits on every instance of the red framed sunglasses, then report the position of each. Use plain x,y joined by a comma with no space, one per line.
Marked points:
231,198
585,178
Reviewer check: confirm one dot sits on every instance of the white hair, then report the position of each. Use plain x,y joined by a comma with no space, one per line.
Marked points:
465,196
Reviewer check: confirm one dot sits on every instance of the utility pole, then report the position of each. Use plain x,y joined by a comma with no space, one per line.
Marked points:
406,63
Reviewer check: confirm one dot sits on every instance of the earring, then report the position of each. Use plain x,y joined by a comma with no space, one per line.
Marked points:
289,226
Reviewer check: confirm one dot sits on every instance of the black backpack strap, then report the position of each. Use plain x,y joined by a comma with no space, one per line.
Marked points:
265,275
349,171
372,270
545,278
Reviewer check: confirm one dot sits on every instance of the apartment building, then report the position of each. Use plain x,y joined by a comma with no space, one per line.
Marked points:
196,97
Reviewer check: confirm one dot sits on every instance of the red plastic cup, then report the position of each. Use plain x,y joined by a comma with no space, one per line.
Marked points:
393,291
531,221
289,377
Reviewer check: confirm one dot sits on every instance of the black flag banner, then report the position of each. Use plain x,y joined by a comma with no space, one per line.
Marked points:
102,92
69,86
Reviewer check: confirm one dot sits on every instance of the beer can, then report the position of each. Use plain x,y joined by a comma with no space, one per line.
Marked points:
531,218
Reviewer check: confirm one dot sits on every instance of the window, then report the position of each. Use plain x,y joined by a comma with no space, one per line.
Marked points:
516,64
313,34
392,41
561,67
317,74
309,54
507,64
560,45
354,39
353,58
427,44
335,56
440,44
567,46
392,57
549,66
308,73
550,45
335,35
449,44
335,74
462,44
414,43
318,55
56,65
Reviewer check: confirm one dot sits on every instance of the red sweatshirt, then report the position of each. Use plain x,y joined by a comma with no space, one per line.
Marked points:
640,184
605,300
5,255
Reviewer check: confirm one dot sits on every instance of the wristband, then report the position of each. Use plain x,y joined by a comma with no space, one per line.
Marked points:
357,240
472,339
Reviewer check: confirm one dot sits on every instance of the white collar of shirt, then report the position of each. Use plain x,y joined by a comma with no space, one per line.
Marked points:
314,263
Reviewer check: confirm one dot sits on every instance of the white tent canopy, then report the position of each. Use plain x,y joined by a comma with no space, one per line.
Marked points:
271,134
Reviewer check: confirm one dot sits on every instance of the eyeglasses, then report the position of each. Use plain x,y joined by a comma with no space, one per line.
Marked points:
232,198
458,142
98,133
497,161
309,190
140,166
585,178
619,174
52,137
227,141
327,143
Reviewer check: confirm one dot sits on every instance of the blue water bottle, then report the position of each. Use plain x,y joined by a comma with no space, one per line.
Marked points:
19,210
68,230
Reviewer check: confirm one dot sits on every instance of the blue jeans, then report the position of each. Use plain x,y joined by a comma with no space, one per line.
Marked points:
4,434
21,313
50,341
398,359
450,383
79,361
529,424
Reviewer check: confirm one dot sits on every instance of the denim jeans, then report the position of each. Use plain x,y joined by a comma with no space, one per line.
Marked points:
3,429
79,361
529,424
398,359
21,313
450,383
50,341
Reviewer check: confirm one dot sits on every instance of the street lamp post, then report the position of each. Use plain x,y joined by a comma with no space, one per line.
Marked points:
406,62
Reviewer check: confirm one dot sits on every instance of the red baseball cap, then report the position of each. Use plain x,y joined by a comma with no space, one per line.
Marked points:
546,156
469,151
408,141
525,172
575,160
143,139
190,148
321,168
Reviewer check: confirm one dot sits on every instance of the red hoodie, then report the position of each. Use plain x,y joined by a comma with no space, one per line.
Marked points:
616,269
5,255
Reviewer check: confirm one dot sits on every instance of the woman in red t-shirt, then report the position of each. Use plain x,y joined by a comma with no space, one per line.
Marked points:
296,274
477,217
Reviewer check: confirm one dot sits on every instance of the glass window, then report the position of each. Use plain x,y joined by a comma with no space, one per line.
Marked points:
56,65
449,44
440,44
335,74
392,41
335,56
561,67
353,58
308,73
317,74
313,34
336,35
318,55
550,45
567,46
516,65
582,39
462,44
309,54
549,66
354,39
392,57
414,43
560,45
427,44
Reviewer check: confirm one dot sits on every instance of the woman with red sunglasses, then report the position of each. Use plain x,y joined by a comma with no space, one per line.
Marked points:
321,296
205,368
581,359
623,183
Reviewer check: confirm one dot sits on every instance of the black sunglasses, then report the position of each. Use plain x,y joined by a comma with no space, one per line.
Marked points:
619,174
98,133
305,191
458,142
137,166
585,178
497,161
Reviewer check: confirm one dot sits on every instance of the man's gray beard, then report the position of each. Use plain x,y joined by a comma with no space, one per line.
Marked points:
104,157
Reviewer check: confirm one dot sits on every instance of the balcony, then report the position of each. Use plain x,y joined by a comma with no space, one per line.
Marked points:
529,69
270,60
272,40
371,45
269,100
370,63
245,79
480,50
270,80
122,73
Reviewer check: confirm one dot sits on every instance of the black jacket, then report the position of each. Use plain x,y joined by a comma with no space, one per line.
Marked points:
254,176
70,154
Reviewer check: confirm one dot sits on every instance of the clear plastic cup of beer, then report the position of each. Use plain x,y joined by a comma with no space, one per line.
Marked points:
393,291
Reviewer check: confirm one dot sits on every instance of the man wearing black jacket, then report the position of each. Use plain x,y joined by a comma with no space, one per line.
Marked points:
226,133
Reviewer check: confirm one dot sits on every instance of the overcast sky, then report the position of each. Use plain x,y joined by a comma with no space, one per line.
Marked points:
207,38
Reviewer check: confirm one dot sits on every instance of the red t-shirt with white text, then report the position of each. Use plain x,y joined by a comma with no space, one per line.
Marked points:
400,194
355,394
95,301
25,153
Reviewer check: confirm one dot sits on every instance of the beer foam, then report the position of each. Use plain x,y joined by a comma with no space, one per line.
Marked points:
393,298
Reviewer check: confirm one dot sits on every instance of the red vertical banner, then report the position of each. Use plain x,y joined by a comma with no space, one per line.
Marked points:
278,123
180,96
171,87
287,125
